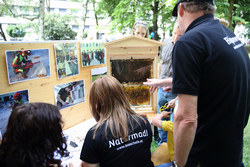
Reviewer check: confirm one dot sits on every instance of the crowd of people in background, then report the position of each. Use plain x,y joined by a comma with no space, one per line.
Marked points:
89,56
204,65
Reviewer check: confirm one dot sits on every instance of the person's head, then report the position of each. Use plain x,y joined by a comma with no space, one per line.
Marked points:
176,32
140,28
69,88
108,102
189,10
74,84
17,96
33,135
25,52
106,95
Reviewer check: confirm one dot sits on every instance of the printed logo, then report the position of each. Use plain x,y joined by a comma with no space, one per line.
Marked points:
131,137
233,41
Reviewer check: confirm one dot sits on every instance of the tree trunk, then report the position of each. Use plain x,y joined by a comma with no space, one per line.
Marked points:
96,18
2,33
41,19
155,19
48,5
83,19
164,30
230,16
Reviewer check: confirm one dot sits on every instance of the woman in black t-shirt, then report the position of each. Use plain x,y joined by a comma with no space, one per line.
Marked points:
121,138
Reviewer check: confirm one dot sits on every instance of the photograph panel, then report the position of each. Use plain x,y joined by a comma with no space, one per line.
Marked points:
69,94
23,65
8,102
66,59
92,53
98,72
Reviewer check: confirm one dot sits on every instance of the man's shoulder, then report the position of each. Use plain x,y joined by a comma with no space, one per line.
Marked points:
62,89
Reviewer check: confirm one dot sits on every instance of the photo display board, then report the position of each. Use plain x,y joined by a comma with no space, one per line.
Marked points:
43,68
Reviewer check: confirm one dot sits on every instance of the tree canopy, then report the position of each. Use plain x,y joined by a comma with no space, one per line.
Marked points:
234,11
16,31
56,27
122,13
157,13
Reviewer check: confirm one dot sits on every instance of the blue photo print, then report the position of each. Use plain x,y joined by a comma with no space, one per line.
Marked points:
23,65
8,102
69,94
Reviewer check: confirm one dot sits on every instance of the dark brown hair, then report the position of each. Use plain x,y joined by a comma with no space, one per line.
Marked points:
34,136
70,87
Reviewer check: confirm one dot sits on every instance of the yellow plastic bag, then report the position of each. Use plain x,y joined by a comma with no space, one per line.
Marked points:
160,155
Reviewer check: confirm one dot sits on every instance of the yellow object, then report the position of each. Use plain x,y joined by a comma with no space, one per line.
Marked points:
168,126
165,152
161,155
163,108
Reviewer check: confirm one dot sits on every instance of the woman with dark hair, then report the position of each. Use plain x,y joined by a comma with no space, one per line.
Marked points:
121,137
33,137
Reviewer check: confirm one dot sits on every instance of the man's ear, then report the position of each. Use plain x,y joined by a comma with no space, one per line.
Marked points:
181,10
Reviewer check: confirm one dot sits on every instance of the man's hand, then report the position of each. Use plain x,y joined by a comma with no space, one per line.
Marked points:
166,88
171,104
167,83
152,83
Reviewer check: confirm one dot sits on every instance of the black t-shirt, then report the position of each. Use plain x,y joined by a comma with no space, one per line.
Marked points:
2,160
210,62
112,152
63,94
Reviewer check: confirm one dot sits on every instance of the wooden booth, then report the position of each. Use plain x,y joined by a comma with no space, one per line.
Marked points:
132,60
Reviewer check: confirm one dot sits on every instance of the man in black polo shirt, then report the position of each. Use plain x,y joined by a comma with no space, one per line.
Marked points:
62,96
212,79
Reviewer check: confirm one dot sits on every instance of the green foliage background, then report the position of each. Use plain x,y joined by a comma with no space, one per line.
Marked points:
123,13
56,27
246,147
16,30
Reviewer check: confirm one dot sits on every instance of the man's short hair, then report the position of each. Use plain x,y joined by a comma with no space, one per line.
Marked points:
70,87
195,6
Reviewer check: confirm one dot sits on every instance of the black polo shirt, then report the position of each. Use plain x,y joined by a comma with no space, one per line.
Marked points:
210,62
63,94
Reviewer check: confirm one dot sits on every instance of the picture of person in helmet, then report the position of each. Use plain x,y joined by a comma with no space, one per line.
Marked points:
21,64
18,100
